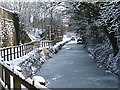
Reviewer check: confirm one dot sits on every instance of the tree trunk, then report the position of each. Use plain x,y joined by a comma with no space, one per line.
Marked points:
113,41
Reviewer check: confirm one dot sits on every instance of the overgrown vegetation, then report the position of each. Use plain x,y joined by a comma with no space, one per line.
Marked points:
38,15
98,24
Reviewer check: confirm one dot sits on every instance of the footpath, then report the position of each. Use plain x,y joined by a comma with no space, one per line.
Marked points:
72,67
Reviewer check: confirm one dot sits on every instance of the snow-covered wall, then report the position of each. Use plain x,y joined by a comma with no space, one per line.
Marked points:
102,54
7,29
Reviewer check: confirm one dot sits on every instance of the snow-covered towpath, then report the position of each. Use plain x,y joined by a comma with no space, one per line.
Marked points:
72,67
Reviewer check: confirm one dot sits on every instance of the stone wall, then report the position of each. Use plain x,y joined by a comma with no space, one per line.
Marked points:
7,29
10,32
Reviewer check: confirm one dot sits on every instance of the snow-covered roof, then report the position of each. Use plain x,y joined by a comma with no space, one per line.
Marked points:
32,37
39,30
8,10
35,33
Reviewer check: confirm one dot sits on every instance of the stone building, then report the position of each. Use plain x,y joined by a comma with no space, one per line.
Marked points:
7,29
10,32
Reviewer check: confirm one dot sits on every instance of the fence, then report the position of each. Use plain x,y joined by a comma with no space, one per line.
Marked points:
12,81
13,52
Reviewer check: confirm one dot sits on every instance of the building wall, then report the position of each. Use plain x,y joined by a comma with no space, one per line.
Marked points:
7,29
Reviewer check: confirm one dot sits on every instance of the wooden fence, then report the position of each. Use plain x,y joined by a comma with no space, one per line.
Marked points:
12,81
13,52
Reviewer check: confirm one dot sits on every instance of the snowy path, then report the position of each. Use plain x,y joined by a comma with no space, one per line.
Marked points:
72,67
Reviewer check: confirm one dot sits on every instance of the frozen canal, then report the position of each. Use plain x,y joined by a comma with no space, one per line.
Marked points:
72,67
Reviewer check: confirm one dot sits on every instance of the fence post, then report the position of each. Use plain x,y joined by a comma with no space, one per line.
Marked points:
4,53
1,74
16,84
14,52
11,53
40,44
43,43
20,51
1,53
7,54
25,49
7,78
1,71
17,53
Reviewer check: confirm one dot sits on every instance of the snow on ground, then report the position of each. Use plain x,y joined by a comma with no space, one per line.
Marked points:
31,64
27,65
39,79
43,53
58,45
33,60
102,54
17,61
73,41
30,59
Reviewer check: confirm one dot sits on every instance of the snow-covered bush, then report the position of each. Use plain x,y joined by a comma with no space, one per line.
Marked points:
39,79
47,53
98,25
59,45
31,64
35,61
106,53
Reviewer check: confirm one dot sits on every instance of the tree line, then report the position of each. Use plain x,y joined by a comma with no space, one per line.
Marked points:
39,15
98,24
